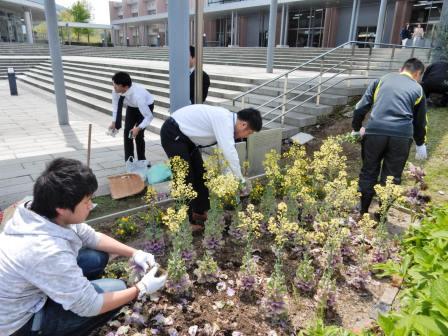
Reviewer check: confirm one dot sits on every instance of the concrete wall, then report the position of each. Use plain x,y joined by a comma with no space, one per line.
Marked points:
252,24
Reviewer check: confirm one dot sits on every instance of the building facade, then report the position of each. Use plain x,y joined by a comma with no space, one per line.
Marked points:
305,23
17,18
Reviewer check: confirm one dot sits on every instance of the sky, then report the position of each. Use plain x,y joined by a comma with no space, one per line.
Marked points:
100,9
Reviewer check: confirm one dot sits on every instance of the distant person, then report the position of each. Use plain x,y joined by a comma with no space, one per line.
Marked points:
405,34
51,262
139,107
418,36
435,80
398,115
205,78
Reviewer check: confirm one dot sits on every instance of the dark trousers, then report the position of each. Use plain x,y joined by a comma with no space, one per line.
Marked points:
134,118
58,321
174,142
385,154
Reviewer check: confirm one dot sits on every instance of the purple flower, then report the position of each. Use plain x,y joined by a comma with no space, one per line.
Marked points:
305,286
247,283
236,233
178,287
187,255
154,246
212,243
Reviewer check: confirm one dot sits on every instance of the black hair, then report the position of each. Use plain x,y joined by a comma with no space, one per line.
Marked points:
122,78
192,52
252,117
63,184
414,65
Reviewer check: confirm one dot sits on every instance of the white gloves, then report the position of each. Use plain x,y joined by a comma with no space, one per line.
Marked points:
150,283
420,152
360,133
143,259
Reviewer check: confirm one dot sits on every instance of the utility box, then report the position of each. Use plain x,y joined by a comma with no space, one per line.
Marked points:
12,82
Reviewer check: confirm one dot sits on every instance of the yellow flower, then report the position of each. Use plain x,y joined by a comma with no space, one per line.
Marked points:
150,196
328,160
173,219
272,168
224,186
280,226
251,221
389,194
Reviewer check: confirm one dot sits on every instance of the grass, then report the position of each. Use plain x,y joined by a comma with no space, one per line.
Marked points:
436,167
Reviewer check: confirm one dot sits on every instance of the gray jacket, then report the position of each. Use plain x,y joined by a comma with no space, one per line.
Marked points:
37,261
398,108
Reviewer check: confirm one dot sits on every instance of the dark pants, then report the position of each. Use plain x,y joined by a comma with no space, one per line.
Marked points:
174,142
134,118
58,321
385,154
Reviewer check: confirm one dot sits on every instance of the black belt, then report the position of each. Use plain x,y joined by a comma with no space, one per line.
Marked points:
172,121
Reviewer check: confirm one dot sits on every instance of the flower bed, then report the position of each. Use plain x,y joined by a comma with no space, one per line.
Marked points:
293,252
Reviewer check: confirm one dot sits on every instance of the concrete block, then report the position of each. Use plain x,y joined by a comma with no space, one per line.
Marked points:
258,144
302,138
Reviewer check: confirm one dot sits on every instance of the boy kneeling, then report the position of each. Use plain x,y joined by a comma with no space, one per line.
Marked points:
50,260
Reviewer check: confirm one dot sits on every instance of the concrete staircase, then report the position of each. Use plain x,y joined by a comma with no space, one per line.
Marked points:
20,64
88,80
285,58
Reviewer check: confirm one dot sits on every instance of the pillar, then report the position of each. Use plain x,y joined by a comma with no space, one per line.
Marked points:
271,36
178,35
29,27
380,24
56,61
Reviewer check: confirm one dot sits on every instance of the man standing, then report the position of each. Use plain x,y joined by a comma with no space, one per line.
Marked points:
405,34
197,126
140,104
51,261
435,80
398,115
205,78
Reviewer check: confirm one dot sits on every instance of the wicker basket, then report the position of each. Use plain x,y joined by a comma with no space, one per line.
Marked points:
125,185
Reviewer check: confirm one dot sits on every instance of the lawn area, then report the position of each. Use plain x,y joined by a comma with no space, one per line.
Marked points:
436,167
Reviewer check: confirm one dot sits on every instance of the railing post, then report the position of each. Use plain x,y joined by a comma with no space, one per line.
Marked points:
368,64
392,55
285,88
429,54
320,81
412,52
243,102
351,64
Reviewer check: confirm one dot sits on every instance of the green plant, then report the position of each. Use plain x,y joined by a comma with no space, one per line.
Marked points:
424,267
126,227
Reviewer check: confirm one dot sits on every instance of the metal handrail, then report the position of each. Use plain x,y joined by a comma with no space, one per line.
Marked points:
314,96
302,83
351,43
304,92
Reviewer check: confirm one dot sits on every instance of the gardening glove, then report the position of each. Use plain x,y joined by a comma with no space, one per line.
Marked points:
246,189
420,152
150,283
143,259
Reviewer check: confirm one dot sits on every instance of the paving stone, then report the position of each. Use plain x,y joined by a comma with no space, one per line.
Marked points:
389,295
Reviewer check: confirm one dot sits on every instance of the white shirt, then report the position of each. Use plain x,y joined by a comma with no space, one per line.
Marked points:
135,96
205,125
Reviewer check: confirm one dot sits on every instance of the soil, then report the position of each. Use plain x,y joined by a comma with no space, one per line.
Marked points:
217,312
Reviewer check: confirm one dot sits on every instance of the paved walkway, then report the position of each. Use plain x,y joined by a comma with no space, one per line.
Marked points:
30,137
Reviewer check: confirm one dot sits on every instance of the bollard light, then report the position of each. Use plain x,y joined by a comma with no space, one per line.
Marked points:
12,82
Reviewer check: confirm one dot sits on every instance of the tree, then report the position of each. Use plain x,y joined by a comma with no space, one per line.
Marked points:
80,12
65,16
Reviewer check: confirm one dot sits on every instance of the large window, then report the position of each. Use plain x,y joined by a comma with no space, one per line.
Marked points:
427,14
305,27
